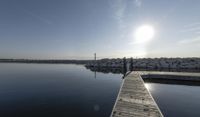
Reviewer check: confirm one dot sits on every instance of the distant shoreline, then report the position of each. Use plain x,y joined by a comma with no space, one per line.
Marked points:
44,61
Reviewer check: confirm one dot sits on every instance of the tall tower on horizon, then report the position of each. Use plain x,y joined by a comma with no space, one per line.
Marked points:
95,57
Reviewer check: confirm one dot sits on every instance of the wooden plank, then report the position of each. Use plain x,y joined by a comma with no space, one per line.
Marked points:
182,76
134,100
192,74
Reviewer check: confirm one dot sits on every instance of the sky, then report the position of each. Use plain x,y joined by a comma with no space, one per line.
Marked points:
76,29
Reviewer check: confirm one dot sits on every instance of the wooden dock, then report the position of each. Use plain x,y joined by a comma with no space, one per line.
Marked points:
183,76
134,100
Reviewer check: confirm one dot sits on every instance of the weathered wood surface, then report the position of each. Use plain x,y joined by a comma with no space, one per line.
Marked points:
169,73
134,100
187,76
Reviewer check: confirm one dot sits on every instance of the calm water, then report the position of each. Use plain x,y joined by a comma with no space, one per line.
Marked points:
176,100
59,90
55,90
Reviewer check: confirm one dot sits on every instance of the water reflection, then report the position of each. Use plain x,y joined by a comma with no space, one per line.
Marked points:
106,70
55,90
176,100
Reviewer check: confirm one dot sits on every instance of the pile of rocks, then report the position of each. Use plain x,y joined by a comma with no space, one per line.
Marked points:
150,63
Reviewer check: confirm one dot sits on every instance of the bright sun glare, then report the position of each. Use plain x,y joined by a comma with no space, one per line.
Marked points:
144,33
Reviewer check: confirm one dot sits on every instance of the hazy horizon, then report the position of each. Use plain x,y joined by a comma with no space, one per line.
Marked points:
76,29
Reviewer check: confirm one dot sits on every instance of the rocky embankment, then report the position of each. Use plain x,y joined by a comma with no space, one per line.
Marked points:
177,64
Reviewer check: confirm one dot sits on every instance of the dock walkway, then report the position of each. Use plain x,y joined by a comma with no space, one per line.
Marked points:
134,100
184,76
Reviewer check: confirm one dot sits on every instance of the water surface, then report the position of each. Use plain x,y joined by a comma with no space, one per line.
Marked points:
55,90
176,100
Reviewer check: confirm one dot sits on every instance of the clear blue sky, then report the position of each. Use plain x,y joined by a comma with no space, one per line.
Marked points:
75,29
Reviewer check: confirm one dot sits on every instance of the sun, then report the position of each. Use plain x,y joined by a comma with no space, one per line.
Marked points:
144,33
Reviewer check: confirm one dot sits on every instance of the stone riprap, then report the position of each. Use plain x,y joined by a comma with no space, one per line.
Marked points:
150,63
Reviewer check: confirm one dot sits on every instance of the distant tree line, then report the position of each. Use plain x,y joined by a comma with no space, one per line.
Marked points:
44,61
